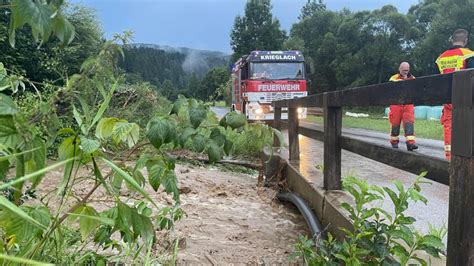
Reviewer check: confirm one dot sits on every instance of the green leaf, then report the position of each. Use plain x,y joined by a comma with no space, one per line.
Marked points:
130,180
103,106
393,197
155,175
8,134
7,106
399,186
199,143
170,182
433,241
228,147
281,139
126,132
183,137
217,136
20,213
4,81
159,131
177,105
117,181
400,252
89,146
69,148
78,119
22,261
43,17
105,127
197,115
214,152
87,224
63,29
66,131
37,160
236,120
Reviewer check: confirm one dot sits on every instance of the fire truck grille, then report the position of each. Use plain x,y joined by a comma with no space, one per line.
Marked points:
276,96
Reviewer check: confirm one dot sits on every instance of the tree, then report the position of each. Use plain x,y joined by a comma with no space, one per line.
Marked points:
211,82
167,89
257,30
50,61
194,87
436,21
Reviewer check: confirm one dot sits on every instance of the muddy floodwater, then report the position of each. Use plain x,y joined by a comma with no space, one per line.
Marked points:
228,219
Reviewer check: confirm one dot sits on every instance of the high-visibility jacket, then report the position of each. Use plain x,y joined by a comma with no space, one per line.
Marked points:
454,59
398,77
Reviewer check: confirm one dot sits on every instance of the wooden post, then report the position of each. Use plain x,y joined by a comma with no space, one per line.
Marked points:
293,125
461,186
332,145
277,125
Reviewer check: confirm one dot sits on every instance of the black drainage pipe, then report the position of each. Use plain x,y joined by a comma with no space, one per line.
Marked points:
313,223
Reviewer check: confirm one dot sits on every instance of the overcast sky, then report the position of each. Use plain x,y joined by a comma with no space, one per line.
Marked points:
201,24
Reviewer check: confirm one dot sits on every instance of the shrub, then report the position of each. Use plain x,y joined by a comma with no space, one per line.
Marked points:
378,237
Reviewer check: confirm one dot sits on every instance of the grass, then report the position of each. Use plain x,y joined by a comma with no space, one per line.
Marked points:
219,104
423,128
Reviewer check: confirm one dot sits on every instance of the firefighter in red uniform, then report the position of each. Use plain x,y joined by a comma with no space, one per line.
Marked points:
454,59
403,113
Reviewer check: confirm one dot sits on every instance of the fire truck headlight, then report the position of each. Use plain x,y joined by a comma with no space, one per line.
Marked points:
259,111
300,110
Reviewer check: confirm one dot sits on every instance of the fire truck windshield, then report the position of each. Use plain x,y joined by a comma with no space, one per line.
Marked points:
277,71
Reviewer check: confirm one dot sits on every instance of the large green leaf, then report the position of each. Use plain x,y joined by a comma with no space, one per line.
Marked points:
170,182
87,224
8,134
134,224
16,211
228,147
185,135
126,132
177,105
69,147
155,175
160,131
197,115
217,136
235,120
105,127
44,19
214,152
7,106
89,146
199,143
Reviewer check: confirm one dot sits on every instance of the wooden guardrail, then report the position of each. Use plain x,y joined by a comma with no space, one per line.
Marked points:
456,88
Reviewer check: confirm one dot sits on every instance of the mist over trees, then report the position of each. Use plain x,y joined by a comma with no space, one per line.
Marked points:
174,71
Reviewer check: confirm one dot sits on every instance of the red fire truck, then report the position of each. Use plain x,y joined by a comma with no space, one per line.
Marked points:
265,76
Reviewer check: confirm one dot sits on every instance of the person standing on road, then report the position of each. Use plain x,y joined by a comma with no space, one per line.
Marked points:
454,59
402,113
